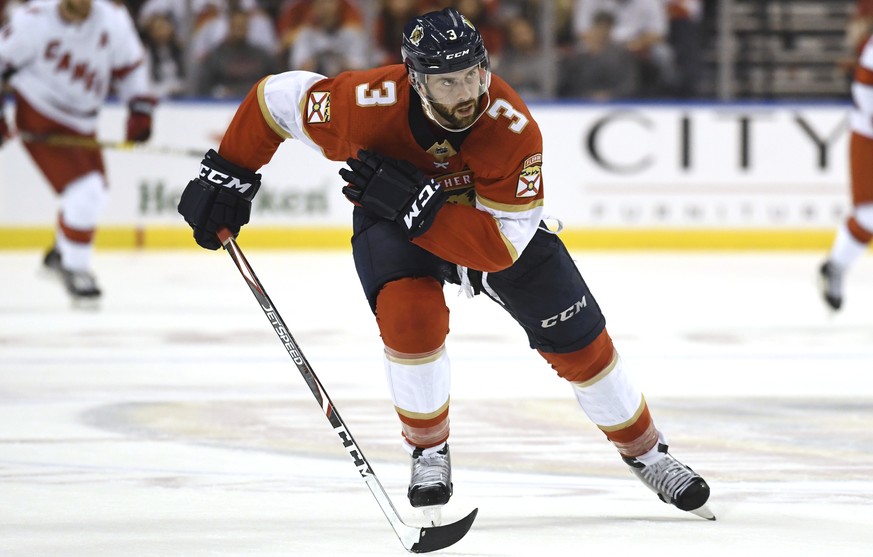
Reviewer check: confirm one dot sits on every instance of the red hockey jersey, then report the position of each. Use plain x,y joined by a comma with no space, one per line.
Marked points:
492,171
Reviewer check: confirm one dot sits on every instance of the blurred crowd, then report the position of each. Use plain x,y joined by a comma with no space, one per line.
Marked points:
582,49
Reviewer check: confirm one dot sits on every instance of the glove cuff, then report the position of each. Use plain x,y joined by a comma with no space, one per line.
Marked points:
142,105
220,171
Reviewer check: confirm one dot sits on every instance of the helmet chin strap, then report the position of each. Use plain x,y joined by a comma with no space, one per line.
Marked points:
428,111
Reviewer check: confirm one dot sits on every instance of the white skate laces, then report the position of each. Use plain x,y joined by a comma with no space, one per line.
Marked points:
431,480
672,481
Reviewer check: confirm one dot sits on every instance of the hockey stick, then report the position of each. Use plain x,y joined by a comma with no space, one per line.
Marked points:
414,539
61,140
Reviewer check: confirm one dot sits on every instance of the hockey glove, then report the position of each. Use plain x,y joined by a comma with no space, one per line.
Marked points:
139,120
221,197
394,190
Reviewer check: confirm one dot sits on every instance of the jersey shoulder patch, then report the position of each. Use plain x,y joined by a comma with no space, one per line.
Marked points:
530,178
318,107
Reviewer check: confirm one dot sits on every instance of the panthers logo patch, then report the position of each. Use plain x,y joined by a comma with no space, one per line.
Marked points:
416,35
318,107
530,179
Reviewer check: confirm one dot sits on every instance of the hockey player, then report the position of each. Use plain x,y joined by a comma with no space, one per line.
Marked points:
62,58
854,234
445,172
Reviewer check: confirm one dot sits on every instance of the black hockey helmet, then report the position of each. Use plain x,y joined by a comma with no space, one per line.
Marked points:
445,42
442,42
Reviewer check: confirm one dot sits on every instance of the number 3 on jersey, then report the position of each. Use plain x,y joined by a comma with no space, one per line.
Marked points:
385,95
502,108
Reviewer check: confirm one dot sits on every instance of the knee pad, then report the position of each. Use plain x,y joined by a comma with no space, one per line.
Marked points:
412,315
82,202
583,364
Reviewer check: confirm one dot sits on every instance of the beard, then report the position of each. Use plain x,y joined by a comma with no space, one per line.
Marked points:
451,114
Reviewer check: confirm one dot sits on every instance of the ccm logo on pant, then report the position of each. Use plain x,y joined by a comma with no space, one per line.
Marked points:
564,315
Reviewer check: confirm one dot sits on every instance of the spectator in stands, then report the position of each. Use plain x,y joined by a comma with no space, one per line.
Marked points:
600,68
165,56
562,13
204,25
294,15
230,70
392,16
484,15
684,18
641,27
522,63
327,43
213,21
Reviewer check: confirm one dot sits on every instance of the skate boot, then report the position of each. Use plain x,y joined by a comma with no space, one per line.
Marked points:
52,260
430,486
673,482
831,284
81,285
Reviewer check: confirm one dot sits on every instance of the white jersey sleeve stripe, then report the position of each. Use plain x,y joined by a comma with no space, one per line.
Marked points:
517,226
282,98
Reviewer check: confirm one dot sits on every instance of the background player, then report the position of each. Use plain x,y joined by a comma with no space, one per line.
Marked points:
446,175
854,234
62,58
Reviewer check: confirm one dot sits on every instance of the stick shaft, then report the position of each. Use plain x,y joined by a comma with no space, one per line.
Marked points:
83,142
409,536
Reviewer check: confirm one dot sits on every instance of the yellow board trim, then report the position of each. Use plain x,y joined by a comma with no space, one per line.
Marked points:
339,238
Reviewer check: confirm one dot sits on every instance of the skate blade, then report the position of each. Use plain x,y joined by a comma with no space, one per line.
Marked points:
81,303
703,512
433,515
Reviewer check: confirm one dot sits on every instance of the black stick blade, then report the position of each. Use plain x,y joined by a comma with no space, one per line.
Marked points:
440,537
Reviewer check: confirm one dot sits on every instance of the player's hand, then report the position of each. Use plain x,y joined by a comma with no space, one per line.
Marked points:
394,190
220,197
139,120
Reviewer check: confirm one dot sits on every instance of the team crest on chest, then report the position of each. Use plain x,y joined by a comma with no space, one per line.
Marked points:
441,151
318,107
530,179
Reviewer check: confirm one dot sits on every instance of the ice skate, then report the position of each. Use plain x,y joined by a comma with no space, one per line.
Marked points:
831,284
52,260
430,486
81,285
674,483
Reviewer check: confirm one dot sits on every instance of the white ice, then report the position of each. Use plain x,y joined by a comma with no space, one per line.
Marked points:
172,421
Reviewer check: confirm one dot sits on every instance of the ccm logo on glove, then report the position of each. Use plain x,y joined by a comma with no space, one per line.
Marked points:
426,195
219,197
222,179
393,189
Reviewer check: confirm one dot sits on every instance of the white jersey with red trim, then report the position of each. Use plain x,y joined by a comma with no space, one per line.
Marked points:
66,70
862,93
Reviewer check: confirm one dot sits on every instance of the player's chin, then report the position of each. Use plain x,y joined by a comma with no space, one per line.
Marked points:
464,117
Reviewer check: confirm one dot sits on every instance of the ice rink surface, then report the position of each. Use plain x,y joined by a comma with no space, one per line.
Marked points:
171,422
